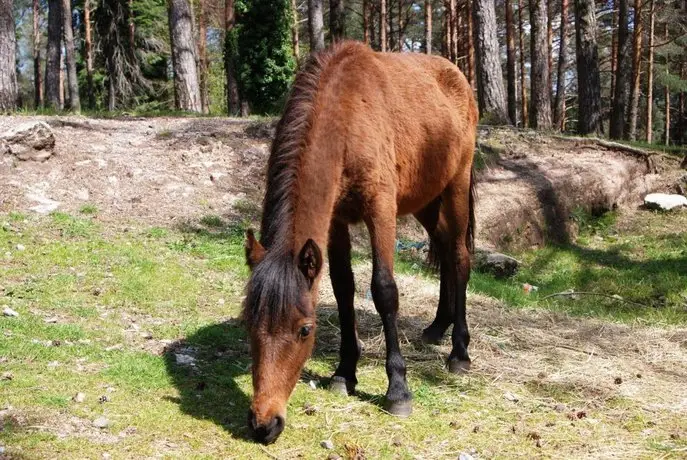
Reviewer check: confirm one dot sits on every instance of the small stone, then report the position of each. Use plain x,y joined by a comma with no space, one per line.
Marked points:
106,456
21,247
103,399
559,408
664,201
97,291
51,320
327,444
221,301
618,381
313,385
500,265
397,442
465,456
334,456
9,312
309,409
101,422
511,396
146,335
185,360
7,376
79,397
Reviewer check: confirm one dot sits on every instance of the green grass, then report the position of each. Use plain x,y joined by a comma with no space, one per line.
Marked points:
110,292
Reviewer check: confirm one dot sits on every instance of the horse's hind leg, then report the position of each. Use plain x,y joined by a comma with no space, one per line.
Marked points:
456,210
382,226
431,220
341,274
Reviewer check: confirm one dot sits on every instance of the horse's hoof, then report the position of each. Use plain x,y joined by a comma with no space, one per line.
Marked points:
456,366
341,386
430,337
398,408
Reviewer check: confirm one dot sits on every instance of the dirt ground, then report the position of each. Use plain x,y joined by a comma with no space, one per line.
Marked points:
165,170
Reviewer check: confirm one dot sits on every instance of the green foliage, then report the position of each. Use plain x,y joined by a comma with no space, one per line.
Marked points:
263,53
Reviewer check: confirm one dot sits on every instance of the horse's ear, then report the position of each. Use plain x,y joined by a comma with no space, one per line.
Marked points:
254,250
310,261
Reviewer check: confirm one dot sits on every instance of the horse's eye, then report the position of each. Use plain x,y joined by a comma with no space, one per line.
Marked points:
304,331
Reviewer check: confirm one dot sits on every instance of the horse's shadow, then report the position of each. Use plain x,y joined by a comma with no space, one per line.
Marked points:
205,368
213,386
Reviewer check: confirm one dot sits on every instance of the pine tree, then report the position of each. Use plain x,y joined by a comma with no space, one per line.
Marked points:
621,93
588,78
8,73
510,63
559,104
337,20
70,57
316,25
540,87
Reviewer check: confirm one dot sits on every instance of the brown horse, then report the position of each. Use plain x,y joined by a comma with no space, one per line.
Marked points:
365,136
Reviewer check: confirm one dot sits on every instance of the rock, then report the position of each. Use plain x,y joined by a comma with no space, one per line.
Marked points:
51,320
79,397
664,201
7,376
45,205
21,247
327,444
9,312
185,360
101,422
465,456
511,396
29,141
500,265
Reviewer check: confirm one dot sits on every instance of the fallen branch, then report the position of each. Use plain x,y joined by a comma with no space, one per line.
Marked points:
598,294
635,151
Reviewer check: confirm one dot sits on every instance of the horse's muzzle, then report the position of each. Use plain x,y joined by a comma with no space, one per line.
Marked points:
265,434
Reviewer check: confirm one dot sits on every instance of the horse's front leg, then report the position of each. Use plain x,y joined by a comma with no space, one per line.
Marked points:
341,274
382,227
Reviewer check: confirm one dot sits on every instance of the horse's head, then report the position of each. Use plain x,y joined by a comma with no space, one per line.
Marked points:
280,314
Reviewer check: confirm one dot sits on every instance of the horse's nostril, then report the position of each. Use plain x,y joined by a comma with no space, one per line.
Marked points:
268,433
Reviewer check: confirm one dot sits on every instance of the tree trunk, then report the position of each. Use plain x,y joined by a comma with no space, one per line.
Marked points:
588,79
203,63
316,25
366,22
491,94
63,93
666,92
186,84
650,76
621,96
469,19
88,53
549,36
132,27
68,33
559,105
232,89
614,44
52,61
37,70
454,31
337,20
400,25
295,39
8,64
510,63
540,87
382,25
636,70
523,87
428,26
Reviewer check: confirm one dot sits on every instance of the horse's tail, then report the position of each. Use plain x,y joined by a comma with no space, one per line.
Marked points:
470,234
437,246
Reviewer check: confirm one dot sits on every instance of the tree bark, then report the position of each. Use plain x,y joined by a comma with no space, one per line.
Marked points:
52,61
666,93
549,36
88,53
203,63
559,105
523,87
428,26
337,20
588,79
382,25
186,83
315,25
469,19
491,94
295,39
454,30
366,22
68,34
650,76
621,95
232,89
510,63
540,87
37,70
636,70
8,65
399,22
614,44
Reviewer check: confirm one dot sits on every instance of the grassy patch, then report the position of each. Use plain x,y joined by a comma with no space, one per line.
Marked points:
106,315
